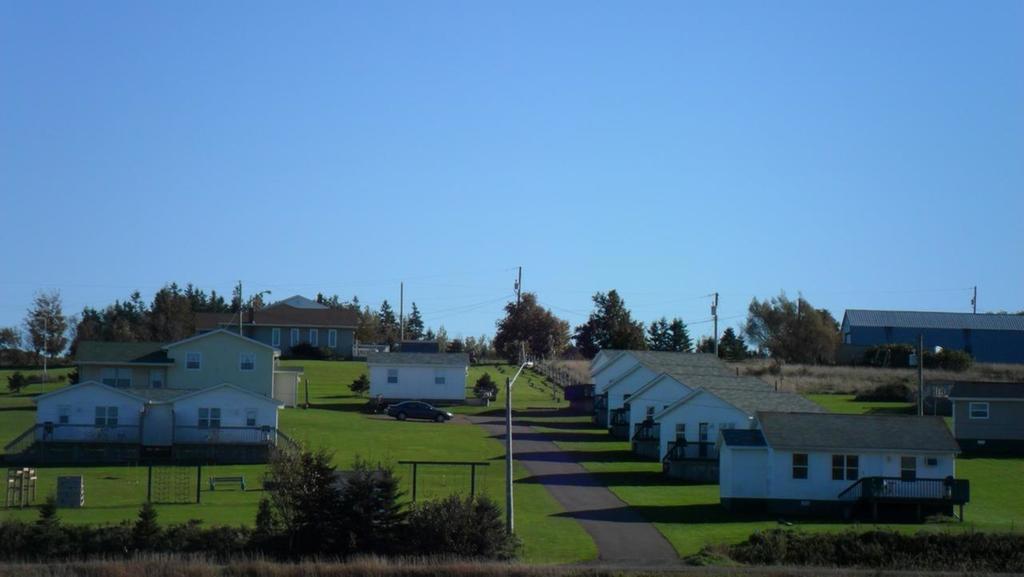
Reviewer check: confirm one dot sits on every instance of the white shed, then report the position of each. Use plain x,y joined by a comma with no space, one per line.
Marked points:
418,376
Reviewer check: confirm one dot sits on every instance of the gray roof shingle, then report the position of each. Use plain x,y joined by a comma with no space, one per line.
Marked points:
934,320
983,390
743,438
752,400
831,431
439,359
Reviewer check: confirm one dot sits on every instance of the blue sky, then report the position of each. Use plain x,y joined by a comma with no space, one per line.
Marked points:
868,154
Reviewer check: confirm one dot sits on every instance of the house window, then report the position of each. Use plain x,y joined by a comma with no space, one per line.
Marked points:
908,468
106,416
117,377
63,414
845,467
193,361
250,417
275,337
293,337
332,339
650,413
439,377
393,376
799,465
156,378
209,418
246,361
314,337
680,432
978,410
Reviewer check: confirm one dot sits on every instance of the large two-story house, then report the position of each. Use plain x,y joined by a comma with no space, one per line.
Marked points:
213,397
294,321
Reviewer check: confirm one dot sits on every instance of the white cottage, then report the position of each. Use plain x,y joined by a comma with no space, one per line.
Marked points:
688,429
833,463
419,376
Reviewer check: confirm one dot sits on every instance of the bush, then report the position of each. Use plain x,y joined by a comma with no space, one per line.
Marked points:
891,392
929,551
949,360
897,355
463,527
308,352
360,386
16,382
485,387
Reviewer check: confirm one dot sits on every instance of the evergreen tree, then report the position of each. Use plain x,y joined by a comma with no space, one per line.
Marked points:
373,515
387,324
360,386
731,346
146,530
429,335
678,336
414,325
706,345
610,326
658,335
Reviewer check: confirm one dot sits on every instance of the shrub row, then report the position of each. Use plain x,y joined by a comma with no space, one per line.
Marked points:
947,551
898,355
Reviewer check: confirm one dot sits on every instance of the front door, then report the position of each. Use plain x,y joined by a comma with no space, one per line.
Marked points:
158,426
703,438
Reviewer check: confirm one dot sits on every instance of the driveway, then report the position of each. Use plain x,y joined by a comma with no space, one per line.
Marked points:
620,533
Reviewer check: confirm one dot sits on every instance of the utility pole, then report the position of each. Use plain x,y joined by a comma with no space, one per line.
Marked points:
519,292
920,375
241,308
46,339
974,300
509,522
714,315
401,312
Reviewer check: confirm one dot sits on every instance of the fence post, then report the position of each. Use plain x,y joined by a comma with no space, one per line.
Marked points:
414,482
149,485
199,481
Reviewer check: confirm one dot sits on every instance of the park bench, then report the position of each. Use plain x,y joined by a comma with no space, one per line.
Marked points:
215,480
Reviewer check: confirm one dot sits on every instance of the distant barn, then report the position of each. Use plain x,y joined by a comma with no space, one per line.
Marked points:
989,338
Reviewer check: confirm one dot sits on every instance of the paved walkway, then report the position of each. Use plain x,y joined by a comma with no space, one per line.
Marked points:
620,534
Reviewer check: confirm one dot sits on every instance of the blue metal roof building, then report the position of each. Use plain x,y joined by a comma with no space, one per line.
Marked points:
989,338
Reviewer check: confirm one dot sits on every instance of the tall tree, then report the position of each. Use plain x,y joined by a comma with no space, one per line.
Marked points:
706,345
368,330
170,316
732,346
541,333
679,336
441,338
610,326
387,324
793,330
414,324
658,336
46,325
10,338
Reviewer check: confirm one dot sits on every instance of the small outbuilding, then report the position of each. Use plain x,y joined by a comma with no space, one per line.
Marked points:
419,376
988,417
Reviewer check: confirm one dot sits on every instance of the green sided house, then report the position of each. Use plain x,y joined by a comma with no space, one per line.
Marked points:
289,323
211,398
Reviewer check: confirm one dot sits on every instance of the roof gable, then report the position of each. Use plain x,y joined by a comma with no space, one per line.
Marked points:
88,385
219,332
208,390
434,359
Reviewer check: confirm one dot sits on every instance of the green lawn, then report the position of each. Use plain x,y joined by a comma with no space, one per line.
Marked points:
690,516
334,422
17,413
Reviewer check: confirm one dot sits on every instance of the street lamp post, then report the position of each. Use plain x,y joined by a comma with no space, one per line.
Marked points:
509,505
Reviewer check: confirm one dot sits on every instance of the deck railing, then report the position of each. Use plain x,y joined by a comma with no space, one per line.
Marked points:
192,435
620,417
601,402
955,491
685,451
646,431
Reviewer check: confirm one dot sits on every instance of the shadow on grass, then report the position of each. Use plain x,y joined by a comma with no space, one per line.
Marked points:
19,408
603,479
696,514
341,407
559,437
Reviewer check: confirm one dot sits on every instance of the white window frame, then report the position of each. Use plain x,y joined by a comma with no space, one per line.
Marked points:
251,417
208,418
64,414
314,337
805,467
392,376
159,382
978,406
189,360
440,377
275,337
117,377
293,337
106,416
242,358
332,338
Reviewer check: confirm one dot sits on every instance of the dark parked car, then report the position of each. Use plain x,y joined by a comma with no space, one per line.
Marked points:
418,410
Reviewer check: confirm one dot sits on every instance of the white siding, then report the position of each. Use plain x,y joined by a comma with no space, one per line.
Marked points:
627,385
232,404
418,382
768,474
665,392
702,408
82,401
612,371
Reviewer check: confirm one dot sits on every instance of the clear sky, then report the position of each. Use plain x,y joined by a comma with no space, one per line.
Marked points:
868,154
